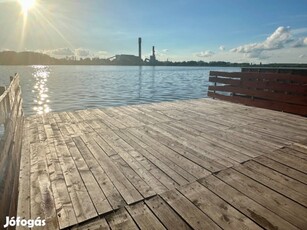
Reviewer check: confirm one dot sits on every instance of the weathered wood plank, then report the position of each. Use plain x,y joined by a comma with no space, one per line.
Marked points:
23,209
217,209
166,214
127,190
194,156
142,166
274,182
281,168
266,76
143,188
143,216
105,183
188,211
281,205
289,160
96,194
96,224
82,203
121,220
258,213
172,159
42,202
64,207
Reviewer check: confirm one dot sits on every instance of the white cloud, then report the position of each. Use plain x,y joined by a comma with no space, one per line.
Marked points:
60,52
299,31
81,52
222,48
102,53
281,38
204,54
165,50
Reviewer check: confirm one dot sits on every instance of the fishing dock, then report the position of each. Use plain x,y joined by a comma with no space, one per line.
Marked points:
192,164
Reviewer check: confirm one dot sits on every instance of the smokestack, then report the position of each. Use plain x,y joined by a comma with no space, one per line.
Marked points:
140,48
153,52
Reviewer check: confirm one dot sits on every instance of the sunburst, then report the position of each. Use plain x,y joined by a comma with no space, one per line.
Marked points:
26,5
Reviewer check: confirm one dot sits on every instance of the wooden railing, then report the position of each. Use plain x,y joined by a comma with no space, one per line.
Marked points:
11,125
276,91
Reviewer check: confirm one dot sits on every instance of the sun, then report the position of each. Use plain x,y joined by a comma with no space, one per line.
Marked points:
26,5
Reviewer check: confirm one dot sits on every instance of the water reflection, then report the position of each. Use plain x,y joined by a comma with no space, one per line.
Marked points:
40,89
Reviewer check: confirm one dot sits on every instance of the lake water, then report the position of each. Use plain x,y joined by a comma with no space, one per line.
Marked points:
68,88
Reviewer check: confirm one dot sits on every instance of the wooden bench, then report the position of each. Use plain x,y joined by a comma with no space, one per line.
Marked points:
11,123
277,91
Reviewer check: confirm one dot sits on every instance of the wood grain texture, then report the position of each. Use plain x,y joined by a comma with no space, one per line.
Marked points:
150,165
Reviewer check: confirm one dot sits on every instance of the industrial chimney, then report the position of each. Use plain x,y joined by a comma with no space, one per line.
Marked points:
140,48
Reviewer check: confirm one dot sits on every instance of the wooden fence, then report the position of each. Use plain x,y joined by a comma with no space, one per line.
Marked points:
11,124
277,91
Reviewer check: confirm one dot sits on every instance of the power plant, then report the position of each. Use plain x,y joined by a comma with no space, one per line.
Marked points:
128,59
140,48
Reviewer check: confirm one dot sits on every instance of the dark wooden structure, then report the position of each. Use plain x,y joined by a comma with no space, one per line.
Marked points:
11,121
289,70
277,91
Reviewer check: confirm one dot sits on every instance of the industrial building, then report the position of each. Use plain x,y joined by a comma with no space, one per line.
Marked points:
128,59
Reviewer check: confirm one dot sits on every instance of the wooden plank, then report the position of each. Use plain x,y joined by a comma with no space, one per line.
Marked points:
112,123
299,147
171,163
188,211
171,155
166,214
258,213
235,152
143,216
23,209
283,169
42,200
266,104
104,145
298,154
10,147
148,171
65,210
196,157
96,224
138,115
127,190
96,194
121,220
282,206
143,188
217,209
149,158
269,95
275,182
261,76
196,144
220,159
290,161
101,177
271,85
80,198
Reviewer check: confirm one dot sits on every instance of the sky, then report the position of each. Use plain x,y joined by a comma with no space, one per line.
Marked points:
266,31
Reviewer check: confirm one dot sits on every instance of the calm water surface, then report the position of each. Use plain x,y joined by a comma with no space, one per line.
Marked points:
68,88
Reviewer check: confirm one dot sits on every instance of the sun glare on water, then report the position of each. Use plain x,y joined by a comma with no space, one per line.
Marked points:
26,5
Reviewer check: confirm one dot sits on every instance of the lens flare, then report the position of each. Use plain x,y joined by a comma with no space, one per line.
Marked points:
26,5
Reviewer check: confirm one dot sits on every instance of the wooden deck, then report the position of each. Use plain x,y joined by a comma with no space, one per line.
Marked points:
201,164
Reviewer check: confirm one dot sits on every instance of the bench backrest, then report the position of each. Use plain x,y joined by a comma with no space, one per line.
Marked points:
277,91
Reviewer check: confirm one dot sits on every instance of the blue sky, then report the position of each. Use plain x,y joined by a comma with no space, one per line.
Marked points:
236,30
